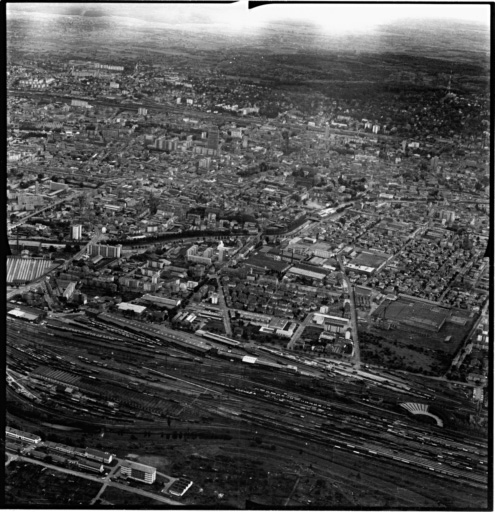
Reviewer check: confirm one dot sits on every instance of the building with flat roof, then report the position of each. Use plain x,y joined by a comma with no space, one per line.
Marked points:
98,455
96,467
76,232
415,313
306,273
23,315
180,487
161,301
23,436
213,136
127,306
136,471
107,251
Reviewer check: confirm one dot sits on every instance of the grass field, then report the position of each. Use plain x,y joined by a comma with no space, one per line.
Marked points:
161,463
47,487
120,498
404,350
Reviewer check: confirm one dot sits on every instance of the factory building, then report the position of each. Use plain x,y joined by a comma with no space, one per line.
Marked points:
13,433
99,456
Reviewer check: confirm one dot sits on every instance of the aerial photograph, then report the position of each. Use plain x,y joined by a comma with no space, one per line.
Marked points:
248,256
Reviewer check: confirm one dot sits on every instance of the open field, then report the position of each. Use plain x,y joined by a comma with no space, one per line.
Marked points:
120,498
47,488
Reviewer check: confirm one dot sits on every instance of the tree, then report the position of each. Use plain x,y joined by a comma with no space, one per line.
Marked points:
153,202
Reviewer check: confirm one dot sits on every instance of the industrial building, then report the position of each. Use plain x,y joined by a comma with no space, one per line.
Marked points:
27,313
99,456
180,487
96,467
161,301
23,436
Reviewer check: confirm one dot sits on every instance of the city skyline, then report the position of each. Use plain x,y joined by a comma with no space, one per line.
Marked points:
248,256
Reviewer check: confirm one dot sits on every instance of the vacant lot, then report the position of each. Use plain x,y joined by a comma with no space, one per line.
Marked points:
403,350
47,487
121,498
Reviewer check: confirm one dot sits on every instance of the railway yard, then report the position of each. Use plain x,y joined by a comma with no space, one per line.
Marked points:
321,420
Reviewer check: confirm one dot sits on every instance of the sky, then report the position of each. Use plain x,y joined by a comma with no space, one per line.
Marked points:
334,17
348,18
348,15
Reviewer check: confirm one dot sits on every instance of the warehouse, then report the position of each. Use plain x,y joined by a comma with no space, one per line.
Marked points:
27,313
416,313
23,436
96,467
161,301
136,471
180,487
127,306
331,323
55,376
99,456
306,273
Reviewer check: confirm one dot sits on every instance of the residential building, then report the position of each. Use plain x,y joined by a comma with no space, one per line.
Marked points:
136,471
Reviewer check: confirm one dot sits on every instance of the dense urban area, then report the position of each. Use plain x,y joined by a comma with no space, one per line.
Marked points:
244,276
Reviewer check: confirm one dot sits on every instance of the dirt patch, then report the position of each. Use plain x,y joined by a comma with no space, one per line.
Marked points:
162,464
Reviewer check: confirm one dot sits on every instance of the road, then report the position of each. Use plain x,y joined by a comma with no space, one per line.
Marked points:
468,337
105,485
299,331
94,240
37,212
224,309
10,458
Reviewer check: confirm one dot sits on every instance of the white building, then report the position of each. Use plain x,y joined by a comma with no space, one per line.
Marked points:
76,232
136,471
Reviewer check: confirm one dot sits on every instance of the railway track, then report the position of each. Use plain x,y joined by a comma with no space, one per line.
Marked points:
356,428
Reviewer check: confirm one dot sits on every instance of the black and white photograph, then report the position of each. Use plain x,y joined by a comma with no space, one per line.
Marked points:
248,256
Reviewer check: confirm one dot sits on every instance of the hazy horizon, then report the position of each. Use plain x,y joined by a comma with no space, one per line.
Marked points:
332,18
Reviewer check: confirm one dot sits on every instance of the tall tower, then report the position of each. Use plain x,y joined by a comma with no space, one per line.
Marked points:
221,251
213,136
450,81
